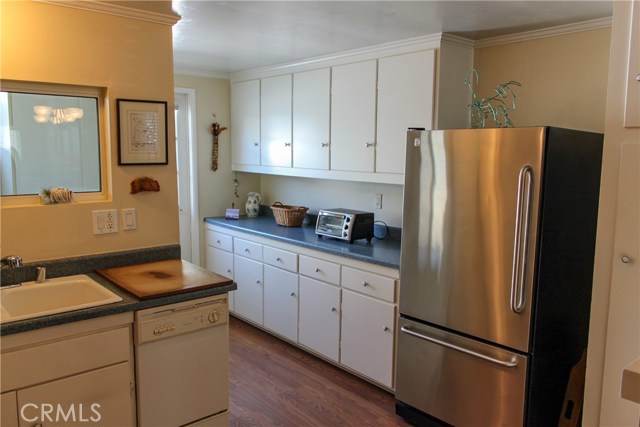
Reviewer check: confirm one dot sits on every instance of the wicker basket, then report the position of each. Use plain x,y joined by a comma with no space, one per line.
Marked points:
289,216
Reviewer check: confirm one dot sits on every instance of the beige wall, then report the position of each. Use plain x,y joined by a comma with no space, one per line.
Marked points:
129,58
215,189
564,78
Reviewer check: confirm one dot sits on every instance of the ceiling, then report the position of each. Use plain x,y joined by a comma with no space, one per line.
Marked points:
222,37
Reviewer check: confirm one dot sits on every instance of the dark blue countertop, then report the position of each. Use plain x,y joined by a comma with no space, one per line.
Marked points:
383,252
129,303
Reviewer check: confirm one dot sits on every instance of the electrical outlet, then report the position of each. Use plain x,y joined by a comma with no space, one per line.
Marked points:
129,219
378,201
105,221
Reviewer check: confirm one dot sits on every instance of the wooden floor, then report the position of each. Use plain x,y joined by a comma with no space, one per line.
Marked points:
273,383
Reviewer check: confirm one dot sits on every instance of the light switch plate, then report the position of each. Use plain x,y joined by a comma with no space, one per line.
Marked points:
129,221
105,221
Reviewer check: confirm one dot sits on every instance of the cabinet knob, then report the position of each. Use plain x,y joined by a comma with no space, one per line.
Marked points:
386,329
255,144
293,294
365,284
324,144
369,144
247,250
625,259
287,144
638,78
334,309
317,270
218,241
258,282
279,259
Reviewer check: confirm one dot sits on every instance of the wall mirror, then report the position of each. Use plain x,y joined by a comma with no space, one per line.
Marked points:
49,137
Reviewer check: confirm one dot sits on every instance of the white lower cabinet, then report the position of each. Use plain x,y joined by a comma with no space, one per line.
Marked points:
281,302
249,295
319,320
367,341
79,373
338,308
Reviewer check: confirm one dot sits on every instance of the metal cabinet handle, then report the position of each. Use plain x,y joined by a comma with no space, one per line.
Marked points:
625,259
293,294
386,329
334,309
218,241
287,144
229,271
365,284
278,259
317,270
369,144
324,144
509,364
255,144
247,250
259,282
521,239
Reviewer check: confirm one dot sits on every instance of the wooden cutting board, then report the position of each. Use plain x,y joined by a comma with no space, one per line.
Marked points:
166,277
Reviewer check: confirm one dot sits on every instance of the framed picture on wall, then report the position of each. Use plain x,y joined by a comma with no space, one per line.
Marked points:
142,132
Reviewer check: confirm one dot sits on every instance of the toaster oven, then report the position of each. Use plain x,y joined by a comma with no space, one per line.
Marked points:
345,224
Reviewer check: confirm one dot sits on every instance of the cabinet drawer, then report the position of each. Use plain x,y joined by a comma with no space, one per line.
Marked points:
281,259
247,249
369,283
220,240
319,269
63,358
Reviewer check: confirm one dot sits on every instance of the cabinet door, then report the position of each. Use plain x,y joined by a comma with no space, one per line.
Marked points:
275,133
405,99
8,409
367,342
311,115
221,262
101,397
319,318
248,297
281,302
353,116
245,122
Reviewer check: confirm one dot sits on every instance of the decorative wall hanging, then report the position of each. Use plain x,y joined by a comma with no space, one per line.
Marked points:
144,183
142,132
494,107
216,130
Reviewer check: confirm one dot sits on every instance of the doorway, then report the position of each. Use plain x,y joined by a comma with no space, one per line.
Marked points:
186,166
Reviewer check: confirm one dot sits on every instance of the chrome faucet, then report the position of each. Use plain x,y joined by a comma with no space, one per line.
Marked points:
13,261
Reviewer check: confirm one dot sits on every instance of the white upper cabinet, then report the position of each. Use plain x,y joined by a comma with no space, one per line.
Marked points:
245,119
353,116
275,134
405,99
311,115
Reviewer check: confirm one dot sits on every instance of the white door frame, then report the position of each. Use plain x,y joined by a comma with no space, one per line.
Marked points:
193,172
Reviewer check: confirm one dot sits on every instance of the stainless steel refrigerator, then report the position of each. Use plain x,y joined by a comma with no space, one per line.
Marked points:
495,276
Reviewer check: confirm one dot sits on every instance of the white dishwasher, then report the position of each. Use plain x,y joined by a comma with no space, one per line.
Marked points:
182,364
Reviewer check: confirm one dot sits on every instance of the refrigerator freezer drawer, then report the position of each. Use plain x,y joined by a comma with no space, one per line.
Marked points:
457,380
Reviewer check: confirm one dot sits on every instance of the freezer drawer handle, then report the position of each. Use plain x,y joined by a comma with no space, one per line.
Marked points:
521,240
509,364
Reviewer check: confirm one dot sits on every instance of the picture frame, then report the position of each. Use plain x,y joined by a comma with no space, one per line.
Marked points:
142,132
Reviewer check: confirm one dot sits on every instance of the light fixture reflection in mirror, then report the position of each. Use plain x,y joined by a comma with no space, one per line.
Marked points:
48,140
57,116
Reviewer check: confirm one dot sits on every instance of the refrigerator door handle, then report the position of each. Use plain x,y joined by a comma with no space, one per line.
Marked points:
521,239
508,364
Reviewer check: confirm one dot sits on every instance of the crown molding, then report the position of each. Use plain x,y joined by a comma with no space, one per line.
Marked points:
363,54
118,10
200,73
559,30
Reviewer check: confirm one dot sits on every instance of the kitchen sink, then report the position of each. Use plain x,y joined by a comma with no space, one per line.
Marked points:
53,296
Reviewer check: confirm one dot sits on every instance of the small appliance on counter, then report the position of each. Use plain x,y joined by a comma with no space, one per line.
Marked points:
345,224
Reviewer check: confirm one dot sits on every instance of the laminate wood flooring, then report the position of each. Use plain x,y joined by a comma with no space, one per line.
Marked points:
273,383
